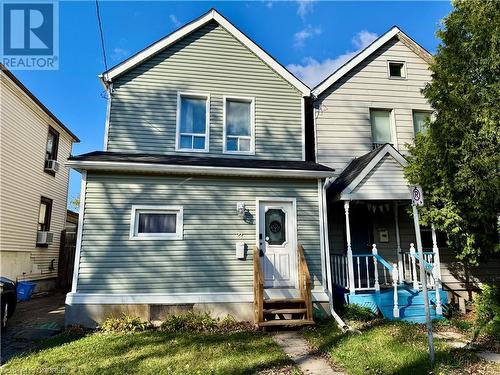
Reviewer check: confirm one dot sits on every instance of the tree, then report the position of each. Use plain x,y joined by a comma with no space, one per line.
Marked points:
457,160
75,203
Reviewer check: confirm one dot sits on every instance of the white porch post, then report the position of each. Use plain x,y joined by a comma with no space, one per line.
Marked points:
398,242
413,266
436,272
375,270
350,263
395,275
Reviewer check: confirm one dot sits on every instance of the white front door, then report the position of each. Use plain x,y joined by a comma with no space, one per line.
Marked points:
277,241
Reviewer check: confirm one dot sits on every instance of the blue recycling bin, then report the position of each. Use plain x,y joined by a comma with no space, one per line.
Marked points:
24,290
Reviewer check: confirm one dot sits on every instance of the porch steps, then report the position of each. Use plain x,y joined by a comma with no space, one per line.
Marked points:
285,312
410,303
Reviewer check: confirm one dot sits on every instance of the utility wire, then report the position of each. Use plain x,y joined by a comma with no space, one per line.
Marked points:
101,34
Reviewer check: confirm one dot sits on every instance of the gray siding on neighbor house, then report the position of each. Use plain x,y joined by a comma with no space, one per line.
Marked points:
385,181
210,60
204,260
343,125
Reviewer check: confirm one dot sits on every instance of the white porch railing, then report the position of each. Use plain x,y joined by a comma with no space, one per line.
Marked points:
340,270
431,266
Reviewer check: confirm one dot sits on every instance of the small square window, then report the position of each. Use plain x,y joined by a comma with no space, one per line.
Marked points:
156,223
397,69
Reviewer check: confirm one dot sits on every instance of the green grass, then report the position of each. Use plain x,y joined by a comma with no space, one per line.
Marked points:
153,352
391,348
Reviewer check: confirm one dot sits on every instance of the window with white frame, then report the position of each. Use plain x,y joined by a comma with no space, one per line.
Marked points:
397,69
156,223
239,125
420,120
193,113
381,121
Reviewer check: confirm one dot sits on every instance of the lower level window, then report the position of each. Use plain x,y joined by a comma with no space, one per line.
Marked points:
156,223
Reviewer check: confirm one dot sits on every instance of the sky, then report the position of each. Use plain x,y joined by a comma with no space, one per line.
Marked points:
310,38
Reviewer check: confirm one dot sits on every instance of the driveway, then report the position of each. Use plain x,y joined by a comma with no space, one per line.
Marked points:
33,320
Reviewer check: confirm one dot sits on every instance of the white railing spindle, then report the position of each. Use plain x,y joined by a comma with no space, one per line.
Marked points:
435,275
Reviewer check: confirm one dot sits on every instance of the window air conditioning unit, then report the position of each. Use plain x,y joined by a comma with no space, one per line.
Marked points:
44,238
51,165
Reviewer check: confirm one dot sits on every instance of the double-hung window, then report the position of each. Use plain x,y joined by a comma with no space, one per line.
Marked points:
420,120
51,149
381,122
239,125
193,113
156,223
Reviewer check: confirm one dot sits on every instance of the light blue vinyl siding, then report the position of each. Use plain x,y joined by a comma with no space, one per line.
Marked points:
204,260
208,61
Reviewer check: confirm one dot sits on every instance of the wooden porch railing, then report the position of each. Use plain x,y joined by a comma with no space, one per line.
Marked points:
304,282
258,287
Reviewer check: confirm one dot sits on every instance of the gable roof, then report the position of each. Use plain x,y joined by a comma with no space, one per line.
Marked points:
211,15
40,105
359,168
365,53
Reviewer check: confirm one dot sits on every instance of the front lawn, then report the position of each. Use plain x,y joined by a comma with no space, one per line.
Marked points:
154,352
392,348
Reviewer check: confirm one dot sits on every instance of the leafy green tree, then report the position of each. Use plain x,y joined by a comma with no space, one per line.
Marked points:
75,203
457,160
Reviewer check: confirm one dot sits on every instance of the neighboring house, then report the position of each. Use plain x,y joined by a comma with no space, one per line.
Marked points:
366,113
34,188
204,159
71,221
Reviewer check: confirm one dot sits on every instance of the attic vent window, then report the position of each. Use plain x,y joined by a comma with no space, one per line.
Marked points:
397,69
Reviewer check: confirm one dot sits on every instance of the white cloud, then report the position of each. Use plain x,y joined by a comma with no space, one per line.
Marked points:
268,4
301,36
119,54
304,7
312,71
175,20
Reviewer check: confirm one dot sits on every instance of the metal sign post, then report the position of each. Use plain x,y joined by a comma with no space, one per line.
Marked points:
417,199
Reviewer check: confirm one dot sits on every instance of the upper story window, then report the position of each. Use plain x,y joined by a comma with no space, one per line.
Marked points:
382,128
420,119
44,214
239,125
156,223
397,69
50,164
193,114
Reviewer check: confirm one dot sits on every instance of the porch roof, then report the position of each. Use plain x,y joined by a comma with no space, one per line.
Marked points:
382,167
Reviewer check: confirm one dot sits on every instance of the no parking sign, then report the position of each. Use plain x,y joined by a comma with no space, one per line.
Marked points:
417,195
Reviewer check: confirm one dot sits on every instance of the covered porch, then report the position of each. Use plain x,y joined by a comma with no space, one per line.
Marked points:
373,253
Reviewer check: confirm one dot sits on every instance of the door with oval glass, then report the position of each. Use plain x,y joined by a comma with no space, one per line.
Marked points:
277,241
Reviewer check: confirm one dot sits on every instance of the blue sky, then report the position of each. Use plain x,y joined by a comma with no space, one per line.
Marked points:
311,38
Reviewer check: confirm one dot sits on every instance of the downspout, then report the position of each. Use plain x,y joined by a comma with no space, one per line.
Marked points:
342,325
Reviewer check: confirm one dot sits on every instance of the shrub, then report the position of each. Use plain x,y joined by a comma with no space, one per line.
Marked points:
193,322
359,313
125,323
487,312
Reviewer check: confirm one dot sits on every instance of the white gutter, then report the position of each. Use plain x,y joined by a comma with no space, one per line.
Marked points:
342,325
189,169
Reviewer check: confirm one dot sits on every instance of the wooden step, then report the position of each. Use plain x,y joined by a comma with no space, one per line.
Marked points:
284,300
289,322
285,311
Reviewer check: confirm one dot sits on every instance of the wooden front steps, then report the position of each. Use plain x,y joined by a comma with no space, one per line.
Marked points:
283,312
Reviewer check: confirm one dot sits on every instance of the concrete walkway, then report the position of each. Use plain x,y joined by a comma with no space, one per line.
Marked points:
33,320
296,347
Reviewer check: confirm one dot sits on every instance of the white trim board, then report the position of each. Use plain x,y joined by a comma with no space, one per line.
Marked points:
170,298
344,69
195,170
79,234
211,15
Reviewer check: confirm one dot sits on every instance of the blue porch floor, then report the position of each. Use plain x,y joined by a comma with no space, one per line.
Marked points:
410,302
